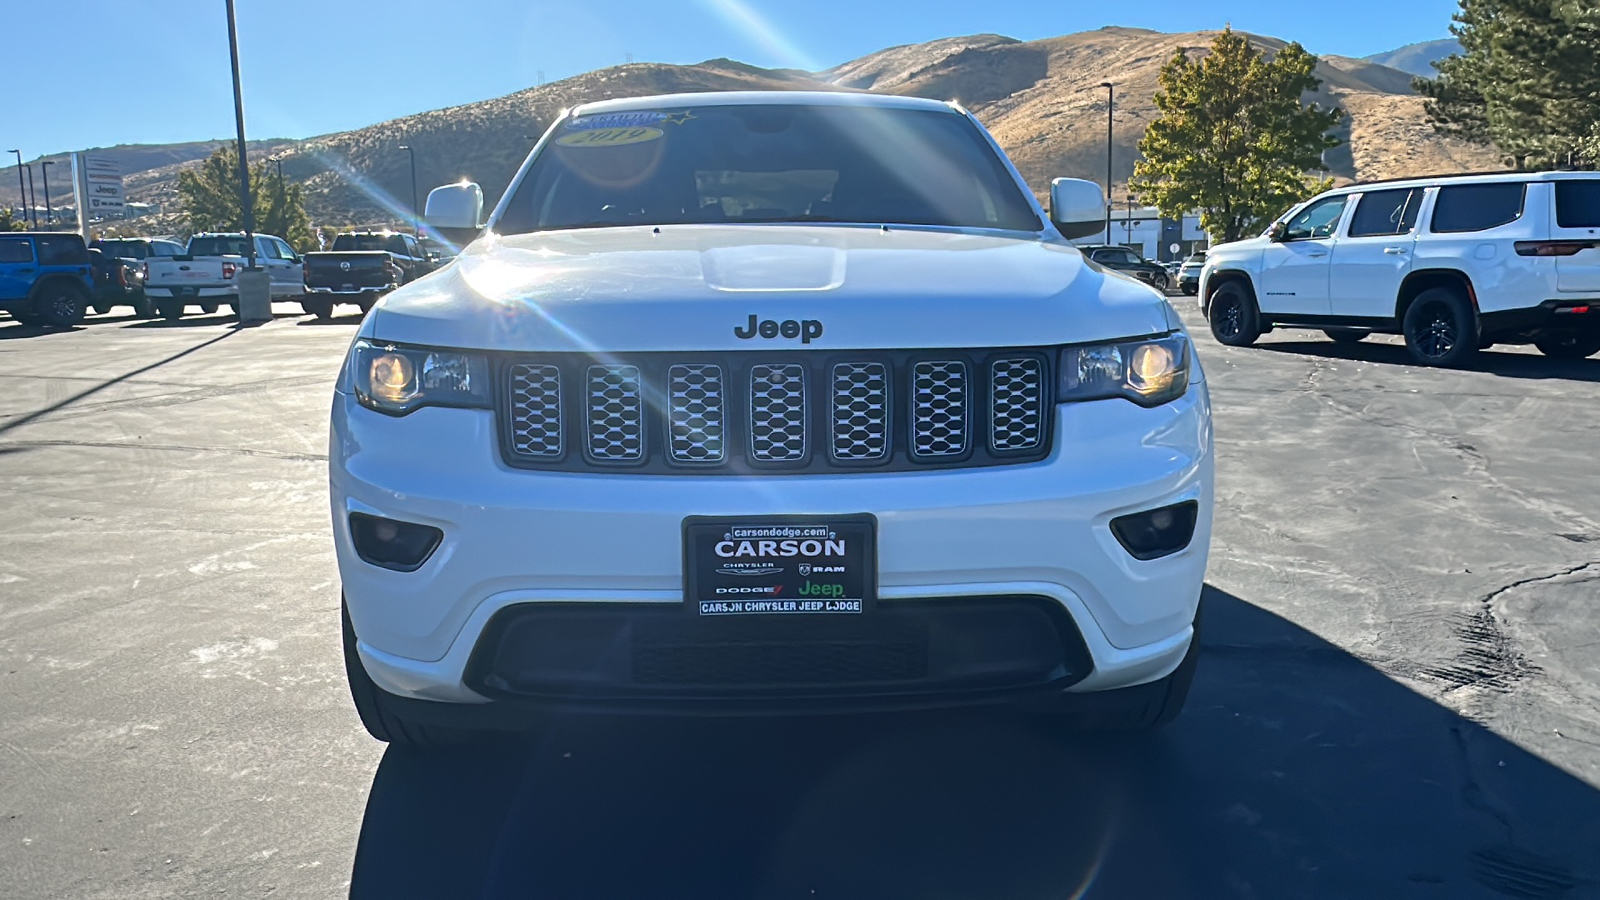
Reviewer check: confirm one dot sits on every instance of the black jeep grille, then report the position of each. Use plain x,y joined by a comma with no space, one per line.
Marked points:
782,412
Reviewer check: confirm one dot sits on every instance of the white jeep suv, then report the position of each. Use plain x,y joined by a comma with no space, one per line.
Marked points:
769,403
1453,264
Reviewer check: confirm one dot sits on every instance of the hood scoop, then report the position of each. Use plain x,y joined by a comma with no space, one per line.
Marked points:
773,267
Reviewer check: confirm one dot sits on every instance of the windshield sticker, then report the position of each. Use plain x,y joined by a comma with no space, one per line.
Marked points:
609,137
637,119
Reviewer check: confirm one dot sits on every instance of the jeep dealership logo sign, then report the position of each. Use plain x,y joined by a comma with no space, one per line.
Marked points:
804,329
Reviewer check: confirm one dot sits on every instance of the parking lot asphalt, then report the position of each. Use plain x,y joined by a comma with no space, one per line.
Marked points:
1398,696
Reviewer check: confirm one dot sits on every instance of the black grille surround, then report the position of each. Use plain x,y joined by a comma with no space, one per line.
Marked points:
781,412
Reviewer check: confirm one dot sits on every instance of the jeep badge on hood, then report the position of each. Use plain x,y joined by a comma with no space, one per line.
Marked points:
805,329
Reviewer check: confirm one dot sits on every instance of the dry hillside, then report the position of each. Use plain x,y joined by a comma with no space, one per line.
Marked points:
1041,99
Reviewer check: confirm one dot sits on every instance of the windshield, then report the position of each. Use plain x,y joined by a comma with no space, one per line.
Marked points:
359,242
777,163
218,246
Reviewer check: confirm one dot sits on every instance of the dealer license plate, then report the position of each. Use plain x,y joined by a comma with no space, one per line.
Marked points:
780,565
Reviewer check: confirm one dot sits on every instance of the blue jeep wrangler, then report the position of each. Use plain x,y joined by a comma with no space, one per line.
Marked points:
44,277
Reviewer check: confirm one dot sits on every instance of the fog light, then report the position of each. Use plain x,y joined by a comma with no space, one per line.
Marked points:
1157,532
390,544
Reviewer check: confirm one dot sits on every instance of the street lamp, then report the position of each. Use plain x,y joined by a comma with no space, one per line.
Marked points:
22,187
33,199
416,222
1111,102
44,175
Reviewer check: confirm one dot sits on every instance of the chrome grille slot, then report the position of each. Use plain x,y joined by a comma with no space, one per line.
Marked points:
614,409
939,409
778,413
860,411
1016,404
536,411
695,421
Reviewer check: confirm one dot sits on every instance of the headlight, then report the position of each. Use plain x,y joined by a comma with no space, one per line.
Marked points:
398,380
1148,372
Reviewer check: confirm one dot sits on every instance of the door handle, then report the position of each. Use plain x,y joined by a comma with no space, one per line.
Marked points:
1394,251
1317,253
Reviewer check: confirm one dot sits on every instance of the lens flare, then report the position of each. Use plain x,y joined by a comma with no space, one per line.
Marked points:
749,23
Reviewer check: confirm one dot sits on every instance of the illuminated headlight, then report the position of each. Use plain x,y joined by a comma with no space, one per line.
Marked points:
398,380
1149,372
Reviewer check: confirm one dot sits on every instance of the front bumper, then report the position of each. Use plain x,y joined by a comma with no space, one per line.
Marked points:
515,539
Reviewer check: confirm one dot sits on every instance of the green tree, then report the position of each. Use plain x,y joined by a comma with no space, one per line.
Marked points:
9,223
1527,80
211,197
1234,138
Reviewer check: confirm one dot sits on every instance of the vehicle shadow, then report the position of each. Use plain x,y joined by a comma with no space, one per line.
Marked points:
1510,365
351,319
12,330
220,318
1297,770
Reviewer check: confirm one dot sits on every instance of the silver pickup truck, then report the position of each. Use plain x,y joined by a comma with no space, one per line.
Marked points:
205,276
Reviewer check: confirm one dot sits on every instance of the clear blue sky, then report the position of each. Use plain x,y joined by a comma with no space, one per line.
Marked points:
158,69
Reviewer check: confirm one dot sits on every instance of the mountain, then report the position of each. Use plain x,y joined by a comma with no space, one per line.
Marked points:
1042,99
1417,59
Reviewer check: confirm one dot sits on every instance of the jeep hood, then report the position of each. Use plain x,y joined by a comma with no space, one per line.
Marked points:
689,287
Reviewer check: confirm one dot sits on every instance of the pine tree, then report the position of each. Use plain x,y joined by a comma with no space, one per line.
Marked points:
1527,80
1235,139
211,197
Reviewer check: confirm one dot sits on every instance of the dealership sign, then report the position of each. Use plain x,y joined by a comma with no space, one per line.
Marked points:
102,178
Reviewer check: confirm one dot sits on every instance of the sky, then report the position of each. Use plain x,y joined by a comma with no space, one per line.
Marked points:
156,71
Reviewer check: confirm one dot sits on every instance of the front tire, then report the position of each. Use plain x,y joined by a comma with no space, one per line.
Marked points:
373,708
1568,345
171,309
1235,320
209,308
1346,335
61,305
1441,328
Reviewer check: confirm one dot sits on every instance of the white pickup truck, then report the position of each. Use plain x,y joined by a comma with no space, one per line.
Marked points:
205,275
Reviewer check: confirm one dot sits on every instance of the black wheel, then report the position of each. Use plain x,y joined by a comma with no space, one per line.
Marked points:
1441,328
1235,321
1346,335
1567,344
372,704
170,309
209,308
322,309
366,301
101,309
143,308
1140,708
60,305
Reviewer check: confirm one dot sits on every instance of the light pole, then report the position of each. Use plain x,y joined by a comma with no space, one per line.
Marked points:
33,199
416,222
244,163
44,175
1111,103
22,188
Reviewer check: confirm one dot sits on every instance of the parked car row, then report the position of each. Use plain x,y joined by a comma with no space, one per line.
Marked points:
53,279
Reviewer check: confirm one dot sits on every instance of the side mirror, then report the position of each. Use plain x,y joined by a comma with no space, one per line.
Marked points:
1077,207
455,206
1277,232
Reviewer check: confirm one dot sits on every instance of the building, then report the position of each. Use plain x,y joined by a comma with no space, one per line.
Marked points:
1145,231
